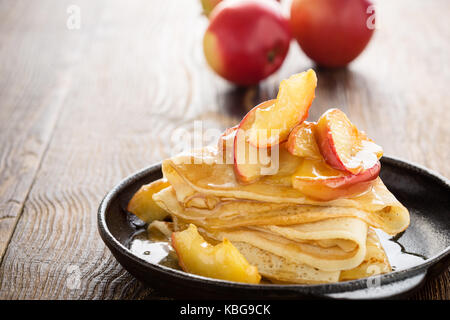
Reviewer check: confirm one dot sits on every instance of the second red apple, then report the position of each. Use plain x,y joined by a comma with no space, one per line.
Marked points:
332,32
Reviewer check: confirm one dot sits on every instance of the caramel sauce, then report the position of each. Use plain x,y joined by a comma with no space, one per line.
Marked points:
398,257
154,249
158,250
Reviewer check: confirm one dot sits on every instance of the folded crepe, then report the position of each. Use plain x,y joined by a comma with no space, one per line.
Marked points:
288,236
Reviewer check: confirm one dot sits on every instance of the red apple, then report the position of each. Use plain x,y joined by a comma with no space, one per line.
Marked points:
208,6
317,180
332,32
246,41
343,146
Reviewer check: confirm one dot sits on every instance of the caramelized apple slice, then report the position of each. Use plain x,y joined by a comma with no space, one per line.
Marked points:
225,145
222,261
287,165
272,125
247,161
302,142
318,180
227,137
343,146
142,204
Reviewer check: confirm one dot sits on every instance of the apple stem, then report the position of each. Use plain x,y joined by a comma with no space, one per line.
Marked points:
271,55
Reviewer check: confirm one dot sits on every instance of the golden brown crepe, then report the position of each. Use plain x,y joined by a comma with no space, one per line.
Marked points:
212,186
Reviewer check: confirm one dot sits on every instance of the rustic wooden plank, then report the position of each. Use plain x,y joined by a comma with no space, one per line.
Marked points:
118,111
33,85
139,73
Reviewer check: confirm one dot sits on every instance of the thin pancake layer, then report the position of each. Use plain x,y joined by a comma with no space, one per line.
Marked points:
213,187
280,270
375,262
329,245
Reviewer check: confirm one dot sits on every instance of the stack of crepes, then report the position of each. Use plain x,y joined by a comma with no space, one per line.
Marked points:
288,236
312,219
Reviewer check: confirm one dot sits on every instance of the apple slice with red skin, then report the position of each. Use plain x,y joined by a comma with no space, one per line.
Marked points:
247,170
343,146
271,125
317,180
332,32
226,139
302,141
225,146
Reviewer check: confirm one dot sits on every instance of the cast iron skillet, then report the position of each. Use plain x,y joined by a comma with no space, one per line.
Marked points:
424,193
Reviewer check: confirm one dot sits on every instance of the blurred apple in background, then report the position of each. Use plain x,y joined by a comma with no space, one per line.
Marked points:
246,41
332,32
208,5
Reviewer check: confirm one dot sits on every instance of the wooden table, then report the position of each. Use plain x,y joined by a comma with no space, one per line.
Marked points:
80,109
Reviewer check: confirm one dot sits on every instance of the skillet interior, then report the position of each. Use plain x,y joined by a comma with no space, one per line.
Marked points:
425,194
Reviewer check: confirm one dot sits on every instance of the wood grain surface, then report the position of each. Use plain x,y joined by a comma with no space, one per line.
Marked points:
81,109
